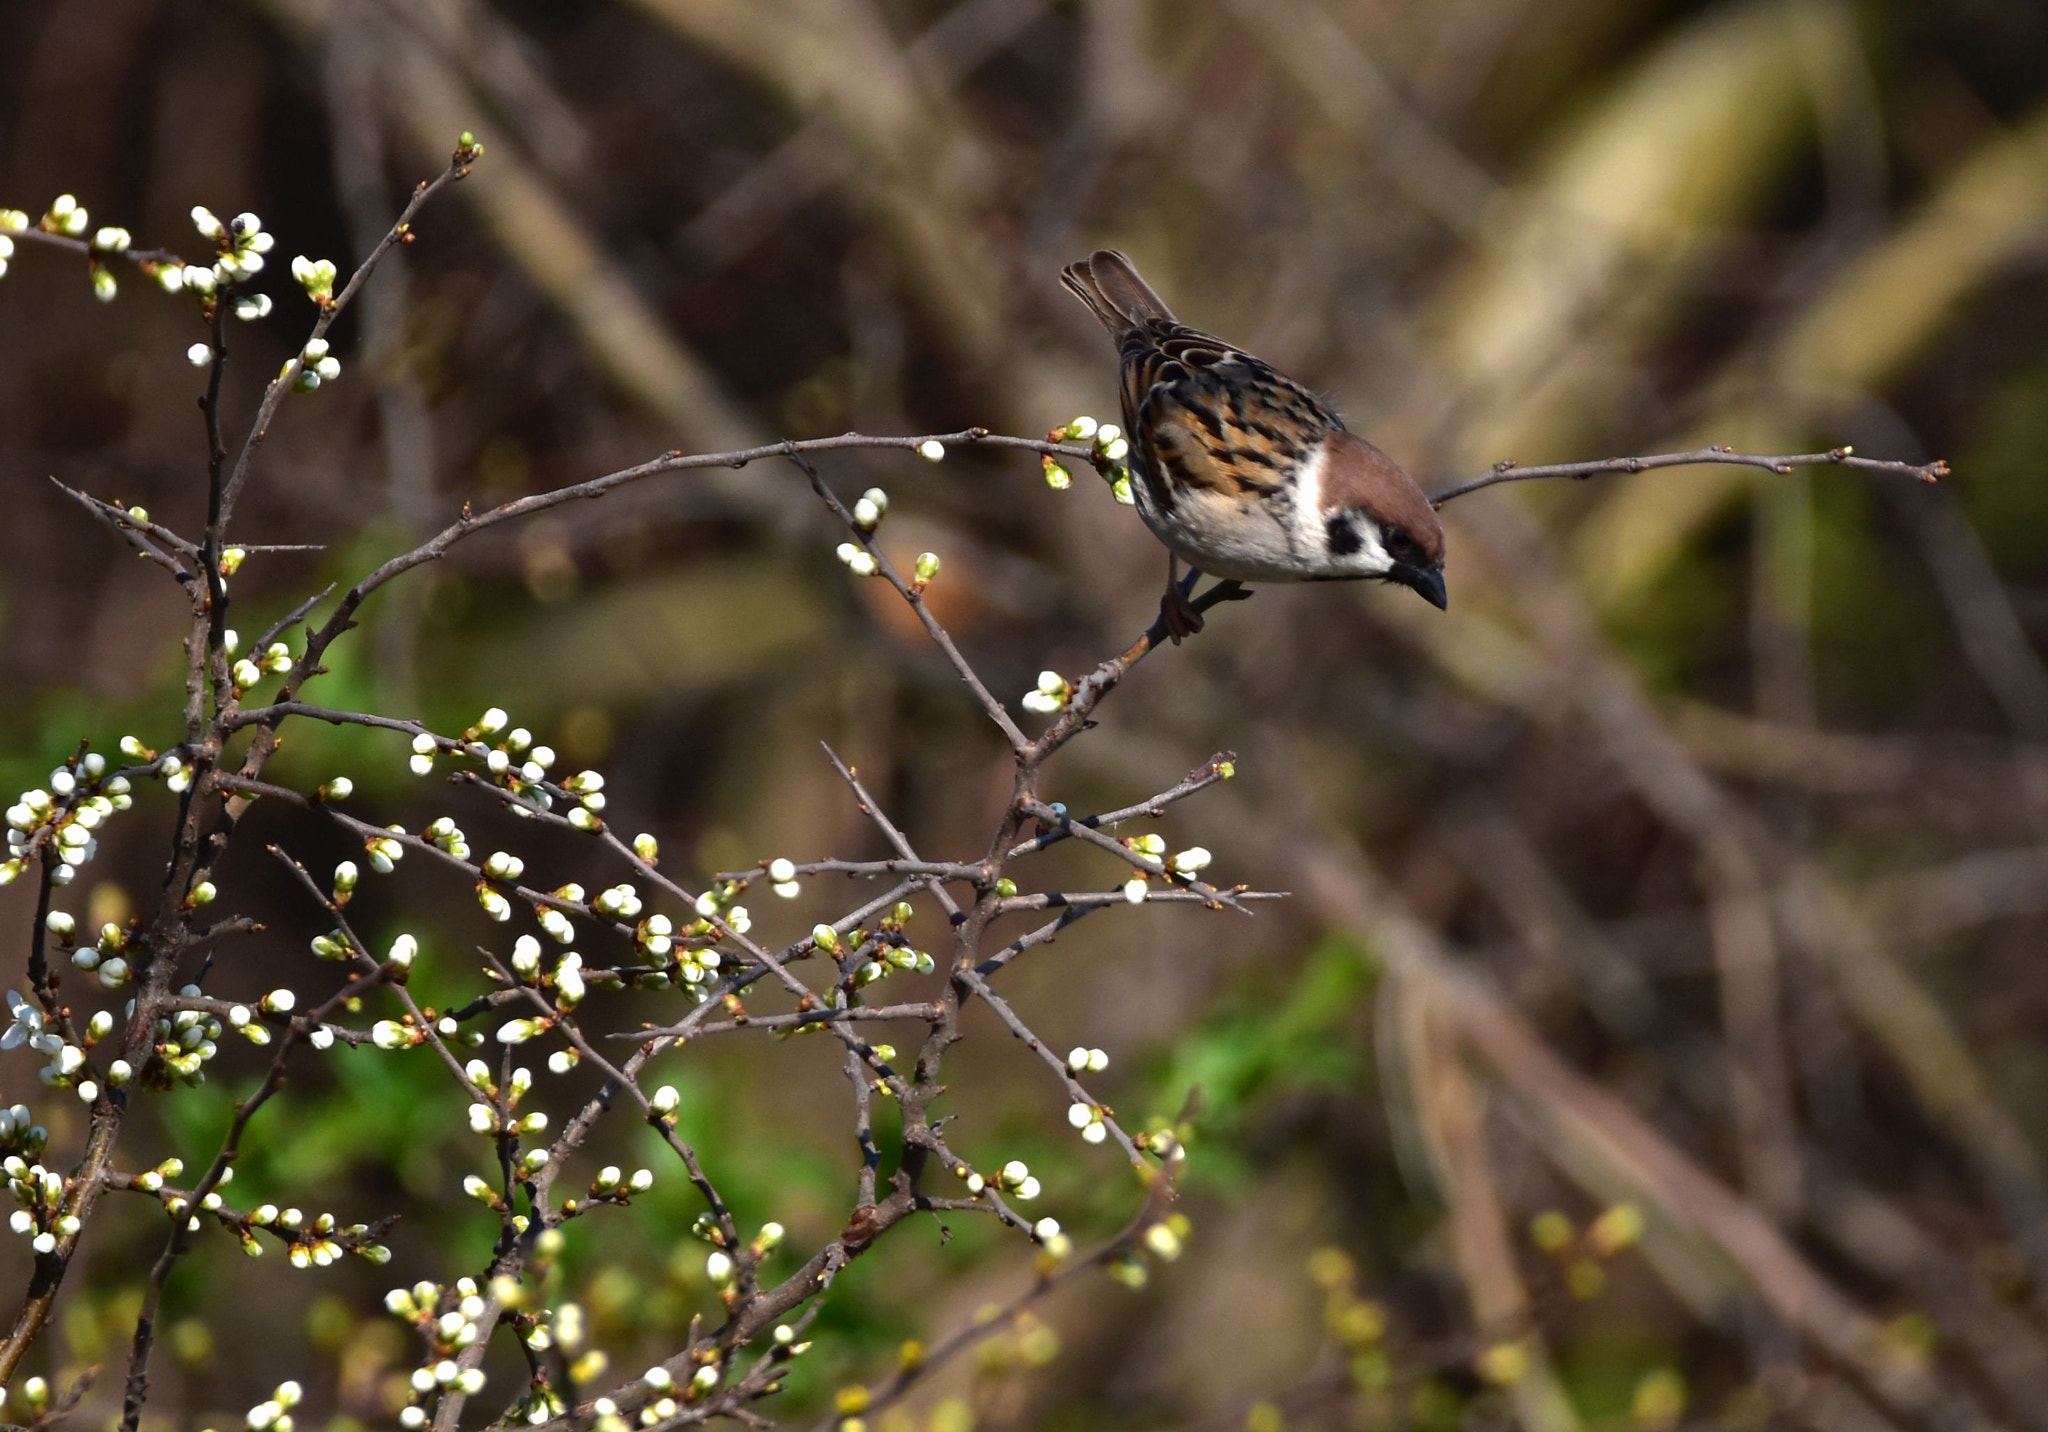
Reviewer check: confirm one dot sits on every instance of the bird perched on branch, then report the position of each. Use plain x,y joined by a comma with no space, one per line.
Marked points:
1241,471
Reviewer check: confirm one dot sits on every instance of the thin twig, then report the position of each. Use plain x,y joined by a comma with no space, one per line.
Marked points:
1509,471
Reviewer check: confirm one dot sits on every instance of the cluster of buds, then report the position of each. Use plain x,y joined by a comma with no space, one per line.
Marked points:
315,365
1582,1256
316,277
108,241
11,220
697,968
870,509
20,1133
1087,1061
515,764
655,936
588,788
858,560
1087,1118
716,907
274,1414
240,244
506,868
185,1040
39,1193
66,817
1111,453
1166,1239
385,851
497,1115
620,902
1056,1243
404,950
424,747
1015,1179
889,953
449,1331
275,661
1051,695
65,216
446,834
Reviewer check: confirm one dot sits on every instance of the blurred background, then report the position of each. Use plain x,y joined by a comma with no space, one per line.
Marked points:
1659,1032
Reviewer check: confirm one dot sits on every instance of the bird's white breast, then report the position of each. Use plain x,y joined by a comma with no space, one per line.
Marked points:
1282,537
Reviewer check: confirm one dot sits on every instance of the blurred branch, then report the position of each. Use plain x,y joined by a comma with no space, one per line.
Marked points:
1453,1117
1361,102
1881,312
1633,1155
801,167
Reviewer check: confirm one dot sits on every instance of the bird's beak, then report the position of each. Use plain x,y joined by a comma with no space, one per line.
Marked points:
1429,581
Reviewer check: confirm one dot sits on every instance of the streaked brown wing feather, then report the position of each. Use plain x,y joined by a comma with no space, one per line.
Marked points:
1213,416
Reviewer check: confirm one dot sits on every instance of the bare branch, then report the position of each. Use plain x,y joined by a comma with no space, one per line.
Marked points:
1508,471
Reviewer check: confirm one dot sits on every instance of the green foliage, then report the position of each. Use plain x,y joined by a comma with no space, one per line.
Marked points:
1260,1049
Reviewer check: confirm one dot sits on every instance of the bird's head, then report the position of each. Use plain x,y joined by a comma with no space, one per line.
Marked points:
1375,520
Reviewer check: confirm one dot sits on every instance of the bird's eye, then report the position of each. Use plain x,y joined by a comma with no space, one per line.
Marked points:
1400,543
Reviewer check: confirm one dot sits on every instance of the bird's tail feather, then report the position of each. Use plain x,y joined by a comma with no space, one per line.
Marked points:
1120,300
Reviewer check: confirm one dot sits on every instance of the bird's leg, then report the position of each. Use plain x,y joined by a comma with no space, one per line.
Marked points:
1179,614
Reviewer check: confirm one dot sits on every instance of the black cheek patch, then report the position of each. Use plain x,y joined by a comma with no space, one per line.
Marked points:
1341,530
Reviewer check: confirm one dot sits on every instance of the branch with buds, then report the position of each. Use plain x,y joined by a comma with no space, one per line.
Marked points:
124,1011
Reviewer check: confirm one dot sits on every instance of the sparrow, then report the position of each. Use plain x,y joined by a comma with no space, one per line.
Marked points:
1241,471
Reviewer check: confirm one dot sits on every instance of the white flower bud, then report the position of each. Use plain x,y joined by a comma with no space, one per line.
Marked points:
932,450
1191,860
